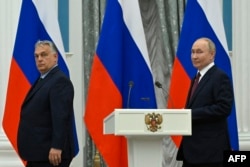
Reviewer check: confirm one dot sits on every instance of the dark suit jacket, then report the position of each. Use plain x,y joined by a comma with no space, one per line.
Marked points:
46,118
211,104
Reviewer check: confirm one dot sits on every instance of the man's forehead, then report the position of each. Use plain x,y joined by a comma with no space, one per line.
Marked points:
200,44
41,48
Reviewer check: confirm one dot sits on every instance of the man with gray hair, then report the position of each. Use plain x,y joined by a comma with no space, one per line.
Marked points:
45,136
210,99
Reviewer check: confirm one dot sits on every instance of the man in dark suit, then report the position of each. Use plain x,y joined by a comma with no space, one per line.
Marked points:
45,136
211,103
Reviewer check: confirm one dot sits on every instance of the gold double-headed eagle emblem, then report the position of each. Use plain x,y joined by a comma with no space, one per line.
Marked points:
153,121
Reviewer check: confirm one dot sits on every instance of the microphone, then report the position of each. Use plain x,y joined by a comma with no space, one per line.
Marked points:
159,85
130,84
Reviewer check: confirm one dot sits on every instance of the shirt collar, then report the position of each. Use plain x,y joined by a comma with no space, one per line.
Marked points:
45,74
205,69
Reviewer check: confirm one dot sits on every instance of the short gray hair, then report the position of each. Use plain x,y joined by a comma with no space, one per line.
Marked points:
211,45
47,42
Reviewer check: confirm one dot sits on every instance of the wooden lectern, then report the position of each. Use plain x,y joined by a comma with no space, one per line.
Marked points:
145,129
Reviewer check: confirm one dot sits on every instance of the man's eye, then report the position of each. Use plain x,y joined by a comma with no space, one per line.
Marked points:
41,55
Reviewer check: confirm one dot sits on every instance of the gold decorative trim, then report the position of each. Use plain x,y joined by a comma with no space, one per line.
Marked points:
153,121
97,159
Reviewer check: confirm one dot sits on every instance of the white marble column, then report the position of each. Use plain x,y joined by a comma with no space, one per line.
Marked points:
9,15
241,68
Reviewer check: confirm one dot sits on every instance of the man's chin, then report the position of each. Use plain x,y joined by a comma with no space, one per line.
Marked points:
41,71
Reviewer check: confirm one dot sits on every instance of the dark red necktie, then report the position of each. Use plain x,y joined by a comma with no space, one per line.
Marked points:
196,81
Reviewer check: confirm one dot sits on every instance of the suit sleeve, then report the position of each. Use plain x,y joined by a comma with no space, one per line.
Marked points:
61,99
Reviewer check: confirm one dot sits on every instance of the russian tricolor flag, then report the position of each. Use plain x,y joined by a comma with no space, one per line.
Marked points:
37,21
121,62
203,18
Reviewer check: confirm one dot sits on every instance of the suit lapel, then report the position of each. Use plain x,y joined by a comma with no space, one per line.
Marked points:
201,84
35,88
38,84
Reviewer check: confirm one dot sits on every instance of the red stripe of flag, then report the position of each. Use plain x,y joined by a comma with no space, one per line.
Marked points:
17,88
103,91
179,94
